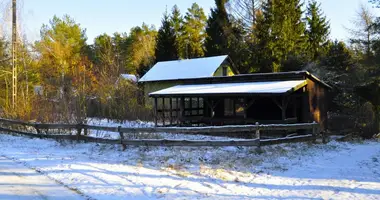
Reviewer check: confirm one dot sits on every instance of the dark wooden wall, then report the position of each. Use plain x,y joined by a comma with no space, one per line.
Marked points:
317,95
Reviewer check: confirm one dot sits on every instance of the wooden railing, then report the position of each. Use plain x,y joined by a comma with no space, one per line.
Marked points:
25,128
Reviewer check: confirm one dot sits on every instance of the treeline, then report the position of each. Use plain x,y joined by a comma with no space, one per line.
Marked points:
259,36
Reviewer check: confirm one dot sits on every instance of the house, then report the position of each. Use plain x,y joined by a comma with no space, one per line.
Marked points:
170,73
287,97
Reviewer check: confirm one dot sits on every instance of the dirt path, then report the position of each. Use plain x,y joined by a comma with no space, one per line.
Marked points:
19,182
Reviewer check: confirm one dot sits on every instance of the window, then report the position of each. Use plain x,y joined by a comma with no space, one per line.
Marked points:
224,70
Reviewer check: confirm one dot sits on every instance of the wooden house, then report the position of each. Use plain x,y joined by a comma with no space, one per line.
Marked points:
287,97
171,73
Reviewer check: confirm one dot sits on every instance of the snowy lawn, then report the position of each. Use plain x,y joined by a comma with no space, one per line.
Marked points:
290,171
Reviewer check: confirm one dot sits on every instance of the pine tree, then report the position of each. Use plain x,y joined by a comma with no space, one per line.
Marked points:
282,32
176,22
166,41
194,32
318,30
218,30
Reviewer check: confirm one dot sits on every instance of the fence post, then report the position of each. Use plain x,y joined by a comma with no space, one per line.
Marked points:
121,138
37,129
79,131
258,133
85,130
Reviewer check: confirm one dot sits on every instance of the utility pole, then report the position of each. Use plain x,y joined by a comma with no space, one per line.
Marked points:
14,56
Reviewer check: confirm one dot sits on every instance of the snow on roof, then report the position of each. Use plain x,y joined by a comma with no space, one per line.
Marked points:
130,77
269,87
184,69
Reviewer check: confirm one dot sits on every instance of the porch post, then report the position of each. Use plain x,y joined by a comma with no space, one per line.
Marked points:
245,107
155,111
182,109
171,110
163,111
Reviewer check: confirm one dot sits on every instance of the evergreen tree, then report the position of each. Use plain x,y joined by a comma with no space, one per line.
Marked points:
282,32
218,30
194,32
176,21
227,37
166,41
318,30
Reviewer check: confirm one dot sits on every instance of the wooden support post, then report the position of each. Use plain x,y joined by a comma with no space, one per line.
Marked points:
155,111
295,104
121,138
171,111
245,107
198,106
163,111
234,106
182,109
283,108
177,110
191,106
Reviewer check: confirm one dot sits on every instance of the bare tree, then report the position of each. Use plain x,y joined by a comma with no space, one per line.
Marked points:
363,34
244,10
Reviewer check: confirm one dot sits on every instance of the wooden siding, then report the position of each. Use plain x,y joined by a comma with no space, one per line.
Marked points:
317,103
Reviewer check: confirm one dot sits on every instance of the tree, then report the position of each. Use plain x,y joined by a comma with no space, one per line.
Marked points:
363,35
141,49
63,67
376,2
218,30
166,48
194,32
281,33
176,22
109,54
317,32
246,11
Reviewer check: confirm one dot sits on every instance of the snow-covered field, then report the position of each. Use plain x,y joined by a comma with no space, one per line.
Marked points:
290,171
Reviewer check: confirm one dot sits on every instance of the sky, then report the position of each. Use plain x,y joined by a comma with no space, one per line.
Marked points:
109,16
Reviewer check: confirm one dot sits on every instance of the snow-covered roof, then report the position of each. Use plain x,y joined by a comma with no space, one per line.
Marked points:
184,69
269,87
130,77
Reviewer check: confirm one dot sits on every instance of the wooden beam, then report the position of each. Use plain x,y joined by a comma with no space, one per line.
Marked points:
245,107
171,110
163,111
182,109
155,111
234,106
276,102
198,105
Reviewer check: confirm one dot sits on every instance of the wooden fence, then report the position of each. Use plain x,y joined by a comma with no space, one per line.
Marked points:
25,128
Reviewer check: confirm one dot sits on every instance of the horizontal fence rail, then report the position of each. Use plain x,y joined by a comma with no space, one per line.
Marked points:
254,129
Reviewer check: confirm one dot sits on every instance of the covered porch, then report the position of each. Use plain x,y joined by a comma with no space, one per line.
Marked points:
270,102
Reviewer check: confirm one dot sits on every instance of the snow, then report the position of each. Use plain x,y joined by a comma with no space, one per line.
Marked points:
269,87
20,182
184,69
129,77
140,124
346,170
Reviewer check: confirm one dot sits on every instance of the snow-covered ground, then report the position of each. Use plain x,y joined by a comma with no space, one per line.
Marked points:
289,171
20,182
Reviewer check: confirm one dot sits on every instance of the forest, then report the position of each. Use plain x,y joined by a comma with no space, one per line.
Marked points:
63,77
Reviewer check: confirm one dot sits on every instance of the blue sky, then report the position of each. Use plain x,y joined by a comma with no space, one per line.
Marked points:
109,16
